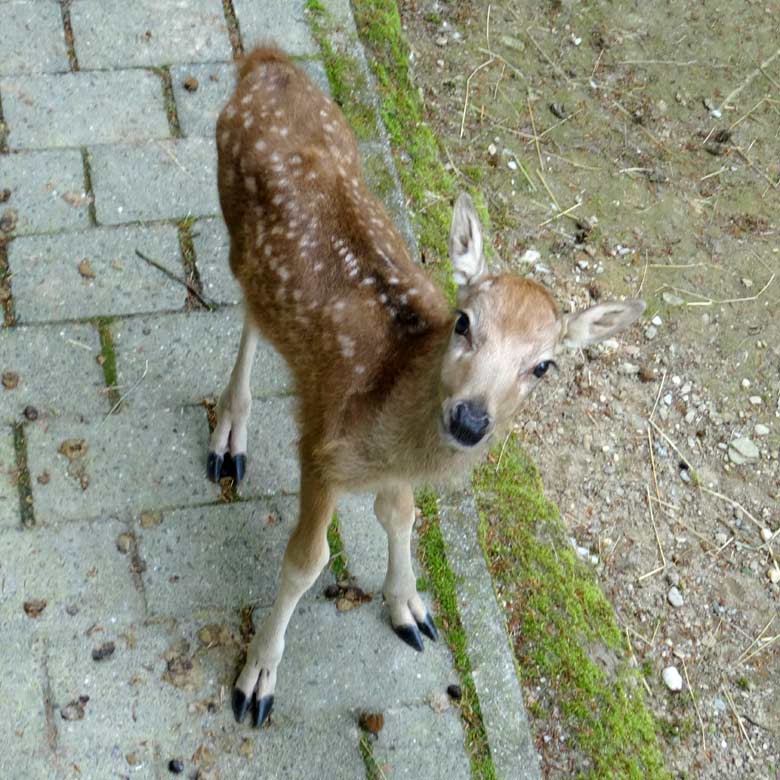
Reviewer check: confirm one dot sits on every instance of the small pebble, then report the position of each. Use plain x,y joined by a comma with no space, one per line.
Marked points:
761,430
657,321
512,165
721,538
756,400
106,650
651,332
454,692
31,413
774,575
674,597
672,678
175,766
766,534
191,84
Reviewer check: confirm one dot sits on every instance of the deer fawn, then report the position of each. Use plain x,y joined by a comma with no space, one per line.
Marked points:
394,387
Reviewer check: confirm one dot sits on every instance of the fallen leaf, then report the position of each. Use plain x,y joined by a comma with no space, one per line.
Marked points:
75,709
85,269
75,199
73,449
372,722
34,607
191,84
150,519
10,380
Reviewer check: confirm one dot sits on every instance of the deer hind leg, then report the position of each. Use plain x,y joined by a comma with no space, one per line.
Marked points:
305,557
394,508
227,446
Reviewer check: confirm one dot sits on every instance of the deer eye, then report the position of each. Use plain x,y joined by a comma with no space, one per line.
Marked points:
462,324
541,369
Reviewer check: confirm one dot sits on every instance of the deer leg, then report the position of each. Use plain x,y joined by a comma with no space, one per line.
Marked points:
394,508
305,557
233,409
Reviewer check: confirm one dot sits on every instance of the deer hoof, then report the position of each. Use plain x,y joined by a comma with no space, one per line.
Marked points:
261,709
428,627
214,466
411,635
240,704
239,468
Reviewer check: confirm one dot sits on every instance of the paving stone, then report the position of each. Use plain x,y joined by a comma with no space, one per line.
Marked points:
283,21
10,516
58,372
23,733
134,712
33,40
493,665
76,569
48,285
272,458
417,742
190,357
162,180
198,110
75,109
220,557
353,660
114,33
212,248
144,460
47,190
365,541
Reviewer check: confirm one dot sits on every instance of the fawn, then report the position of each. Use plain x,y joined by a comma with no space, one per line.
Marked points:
393,386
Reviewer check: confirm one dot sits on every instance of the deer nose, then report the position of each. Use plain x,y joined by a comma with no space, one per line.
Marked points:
468,422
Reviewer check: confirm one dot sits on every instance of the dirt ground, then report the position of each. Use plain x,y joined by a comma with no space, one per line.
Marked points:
636,148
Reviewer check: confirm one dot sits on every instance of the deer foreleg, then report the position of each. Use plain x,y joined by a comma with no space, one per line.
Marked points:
235,403
394,508
305,557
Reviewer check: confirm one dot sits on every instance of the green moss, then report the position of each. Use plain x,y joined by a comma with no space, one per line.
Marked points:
108,358
563,628
23,483
348,84
442,582
338,556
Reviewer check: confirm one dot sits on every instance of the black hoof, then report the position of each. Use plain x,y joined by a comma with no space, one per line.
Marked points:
240,704
261,710
214,466
239,468
428,628
410,635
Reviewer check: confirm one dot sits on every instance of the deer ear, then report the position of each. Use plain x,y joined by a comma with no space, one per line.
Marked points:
468,262
599,322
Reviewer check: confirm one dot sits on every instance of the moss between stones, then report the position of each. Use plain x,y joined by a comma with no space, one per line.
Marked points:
338,556
108,358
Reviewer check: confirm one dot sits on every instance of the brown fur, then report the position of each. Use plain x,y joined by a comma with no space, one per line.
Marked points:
366,356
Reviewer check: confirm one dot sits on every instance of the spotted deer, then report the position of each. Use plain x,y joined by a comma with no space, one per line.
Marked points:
394,386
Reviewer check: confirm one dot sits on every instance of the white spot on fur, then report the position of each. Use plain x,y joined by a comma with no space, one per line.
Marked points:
260,145
250,184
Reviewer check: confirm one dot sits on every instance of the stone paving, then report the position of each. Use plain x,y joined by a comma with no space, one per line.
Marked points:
116,536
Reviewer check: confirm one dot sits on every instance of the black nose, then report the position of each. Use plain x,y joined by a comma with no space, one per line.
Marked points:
468,422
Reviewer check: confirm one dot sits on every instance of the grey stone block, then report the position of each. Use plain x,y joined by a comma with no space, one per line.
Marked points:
145,460
47,190
212,248
500,698
159,180
58,372
10,516
315,70
76,569
33,40
114,33
272,460
353,660
189,357
283,21
417,742
218,557
73,109
135,713
23,732
365,541
48,285
198,110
